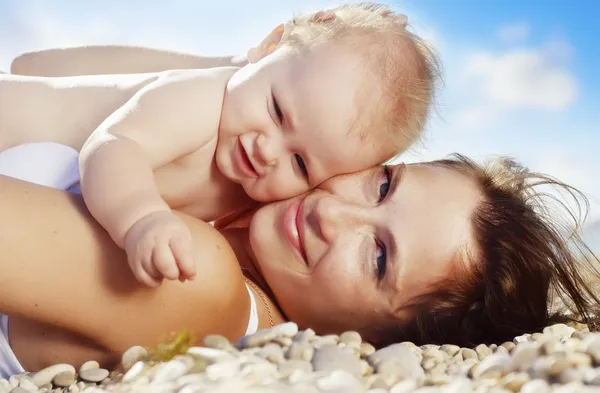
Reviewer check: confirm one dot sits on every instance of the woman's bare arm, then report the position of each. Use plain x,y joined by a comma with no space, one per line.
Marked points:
59,267
113,59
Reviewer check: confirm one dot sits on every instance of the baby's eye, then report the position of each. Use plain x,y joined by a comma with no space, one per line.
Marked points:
384,188
301,165
277,109
381,260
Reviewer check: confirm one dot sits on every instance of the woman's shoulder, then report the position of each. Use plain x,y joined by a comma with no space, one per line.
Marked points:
217,298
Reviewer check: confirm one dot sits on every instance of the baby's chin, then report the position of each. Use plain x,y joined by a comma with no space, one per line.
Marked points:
256,191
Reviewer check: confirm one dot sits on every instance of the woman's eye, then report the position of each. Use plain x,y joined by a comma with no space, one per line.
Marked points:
277,109
384,188
381,260
301,165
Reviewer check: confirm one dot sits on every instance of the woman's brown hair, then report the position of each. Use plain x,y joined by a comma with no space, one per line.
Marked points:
528,270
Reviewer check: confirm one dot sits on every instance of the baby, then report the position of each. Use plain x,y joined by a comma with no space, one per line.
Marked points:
326,93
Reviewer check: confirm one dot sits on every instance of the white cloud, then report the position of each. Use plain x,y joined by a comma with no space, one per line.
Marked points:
521,78
515,32
491,85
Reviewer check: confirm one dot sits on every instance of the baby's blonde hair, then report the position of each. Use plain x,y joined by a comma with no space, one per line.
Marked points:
406,68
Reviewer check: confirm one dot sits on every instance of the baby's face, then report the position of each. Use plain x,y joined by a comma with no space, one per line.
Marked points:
287,123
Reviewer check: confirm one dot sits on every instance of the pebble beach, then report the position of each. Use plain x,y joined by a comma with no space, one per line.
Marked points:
562,359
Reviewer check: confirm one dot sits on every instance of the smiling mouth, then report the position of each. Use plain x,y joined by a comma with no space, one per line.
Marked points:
244,162
293,225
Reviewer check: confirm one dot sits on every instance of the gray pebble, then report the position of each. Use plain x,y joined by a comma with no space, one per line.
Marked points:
330,358
165,372
437,380
287,329
483,351
283,341
94,375
351,339
300,351
287,368
366,349
522,338
217,341
524,355
64,379
514,381
468,353
134,371
570,375
26,383
4,384
88,365
210,355
304,336
399,358
325,341
273,353
439,369
73,389
223,370
339,382
405,386
383,381
19,389
450,349
559,330
509,345
47,374
459,385
257,339
493,366
435,354
428,364
132,356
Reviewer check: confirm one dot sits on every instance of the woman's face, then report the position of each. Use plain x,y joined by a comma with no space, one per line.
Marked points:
349,254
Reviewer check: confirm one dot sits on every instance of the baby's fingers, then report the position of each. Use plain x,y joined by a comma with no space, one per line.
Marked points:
137,267
146,279
165,262
183,252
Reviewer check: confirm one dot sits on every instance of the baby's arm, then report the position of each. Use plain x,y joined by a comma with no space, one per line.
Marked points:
173,116
113,59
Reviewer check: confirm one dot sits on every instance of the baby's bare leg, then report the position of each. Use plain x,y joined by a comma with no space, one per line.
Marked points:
113,59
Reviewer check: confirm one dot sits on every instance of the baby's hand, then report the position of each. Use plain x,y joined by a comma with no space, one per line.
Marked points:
160,246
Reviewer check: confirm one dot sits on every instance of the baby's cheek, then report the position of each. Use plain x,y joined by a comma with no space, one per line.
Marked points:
257,190
275,188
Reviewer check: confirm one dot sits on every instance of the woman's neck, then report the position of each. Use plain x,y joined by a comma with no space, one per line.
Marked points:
239,239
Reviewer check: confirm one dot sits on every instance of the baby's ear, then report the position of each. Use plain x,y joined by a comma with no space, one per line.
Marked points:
266,46
323,16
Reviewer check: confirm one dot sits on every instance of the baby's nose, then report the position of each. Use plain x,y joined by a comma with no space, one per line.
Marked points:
334,215
269,149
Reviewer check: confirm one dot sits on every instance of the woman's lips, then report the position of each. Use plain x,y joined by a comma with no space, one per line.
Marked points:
293,227
243,162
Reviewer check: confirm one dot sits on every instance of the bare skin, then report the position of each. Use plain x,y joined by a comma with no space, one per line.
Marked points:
113,59
85,303
204,142
325,269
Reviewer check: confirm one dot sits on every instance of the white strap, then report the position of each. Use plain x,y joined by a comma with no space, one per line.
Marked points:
253,320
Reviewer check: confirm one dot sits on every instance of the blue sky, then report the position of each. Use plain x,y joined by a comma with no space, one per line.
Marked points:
521,77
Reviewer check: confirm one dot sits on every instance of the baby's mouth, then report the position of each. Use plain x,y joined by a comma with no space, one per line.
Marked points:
245,163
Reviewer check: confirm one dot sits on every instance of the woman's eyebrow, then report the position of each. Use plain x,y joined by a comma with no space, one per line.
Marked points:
398,174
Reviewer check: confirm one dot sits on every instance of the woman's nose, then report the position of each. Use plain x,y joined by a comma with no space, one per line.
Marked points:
334,215
268,149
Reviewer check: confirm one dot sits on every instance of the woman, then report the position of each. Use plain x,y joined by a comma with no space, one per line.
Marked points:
445,251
